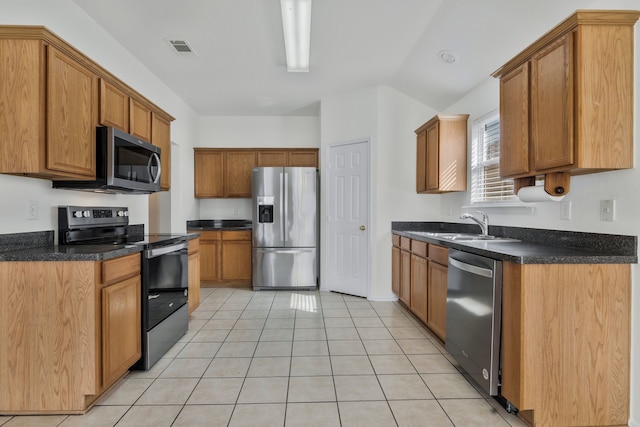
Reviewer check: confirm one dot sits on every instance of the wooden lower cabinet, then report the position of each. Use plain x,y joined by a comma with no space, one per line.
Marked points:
419,279
225,257
66,339
565,342
121,317
437,299
209,255
405,277
236,256
395,269
419,287
194,274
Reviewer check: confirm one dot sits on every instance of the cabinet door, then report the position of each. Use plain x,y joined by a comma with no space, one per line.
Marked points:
437,299
395,270
139,120
433,157
552,105
514,122
22,73
209,260
236,260
237,173
405,278
208,174
114,107
271,158
121,329
194,281
161,137
419,279
303,158
72,103
421,162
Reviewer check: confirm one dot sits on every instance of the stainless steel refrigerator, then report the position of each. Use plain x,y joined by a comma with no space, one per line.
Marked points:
285,228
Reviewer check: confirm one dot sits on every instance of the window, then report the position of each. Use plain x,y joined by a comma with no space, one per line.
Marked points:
486,185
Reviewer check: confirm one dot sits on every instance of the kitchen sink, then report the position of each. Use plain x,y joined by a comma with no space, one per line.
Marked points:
464,237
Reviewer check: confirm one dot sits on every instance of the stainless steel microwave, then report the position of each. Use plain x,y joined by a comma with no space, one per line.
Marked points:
124,164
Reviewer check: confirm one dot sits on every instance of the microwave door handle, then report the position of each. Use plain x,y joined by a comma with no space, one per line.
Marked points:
157,160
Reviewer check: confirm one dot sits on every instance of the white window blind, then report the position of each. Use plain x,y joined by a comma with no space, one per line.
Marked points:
486,185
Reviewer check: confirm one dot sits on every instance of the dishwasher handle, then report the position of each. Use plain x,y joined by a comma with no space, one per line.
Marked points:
473,269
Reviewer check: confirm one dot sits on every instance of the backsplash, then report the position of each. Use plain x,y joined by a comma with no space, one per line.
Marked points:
17,241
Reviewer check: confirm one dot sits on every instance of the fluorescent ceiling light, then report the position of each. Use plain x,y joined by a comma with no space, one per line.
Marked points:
296,23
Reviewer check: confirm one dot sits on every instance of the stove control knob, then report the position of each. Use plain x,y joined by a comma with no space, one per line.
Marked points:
126,213
77,214
86,214
120,213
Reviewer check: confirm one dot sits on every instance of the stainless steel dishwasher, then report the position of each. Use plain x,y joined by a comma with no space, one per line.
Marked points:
474,295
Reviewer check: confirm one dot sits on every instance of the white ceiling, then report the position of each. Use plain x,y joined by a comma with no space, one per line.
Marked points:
240,64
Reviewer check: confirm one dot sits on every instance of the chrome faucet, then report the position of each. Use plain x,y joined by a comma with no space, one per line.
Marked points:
484,223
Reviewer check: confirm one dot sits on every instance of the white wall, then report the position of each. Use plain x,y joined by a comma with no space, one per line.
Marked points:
250,132
68,21
387,119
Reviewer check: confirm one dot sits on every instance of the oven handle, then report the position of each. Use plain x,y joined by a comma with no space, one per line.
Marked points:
156,252
470,268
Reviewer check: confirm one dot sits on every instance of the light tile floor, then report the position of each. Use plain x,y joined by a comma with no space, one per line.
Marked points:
294,359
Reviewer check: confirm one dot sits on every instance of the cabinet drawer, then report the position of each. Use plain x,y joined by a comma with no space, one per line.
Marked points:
405,243
210,235
419,248
439,254
118,269
395,239
194,246
236,235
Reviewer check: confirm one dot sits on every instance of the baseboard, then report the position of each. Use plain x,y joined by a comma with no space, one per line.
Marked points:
633,423
389,298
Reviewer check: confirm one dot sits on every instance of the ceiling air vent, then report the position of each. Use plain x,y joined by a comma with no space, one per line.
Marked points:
181,47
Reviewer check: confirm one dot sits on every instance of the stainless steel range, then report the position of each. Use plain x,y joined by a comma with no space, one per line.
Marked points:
164,271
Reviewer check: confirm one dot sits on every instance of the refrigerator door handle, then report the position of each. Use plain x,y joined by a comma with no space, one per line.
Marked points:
286,206
282,236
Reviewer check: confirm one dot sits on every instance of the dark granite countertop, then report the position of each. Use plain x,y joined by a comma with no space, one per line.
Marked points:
39,246
534,246
70,253
219,224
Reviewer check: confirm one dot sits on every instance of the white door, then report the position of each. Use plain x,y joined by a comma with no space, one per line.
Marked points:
348,219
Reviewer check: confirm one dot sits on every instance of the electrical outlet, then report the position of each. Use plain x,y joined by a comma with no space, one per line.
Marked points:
235,212
32,209
607,210
565,210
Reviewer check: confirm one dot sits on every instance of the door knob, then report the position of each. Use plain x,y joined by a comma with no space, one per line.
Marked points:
363,227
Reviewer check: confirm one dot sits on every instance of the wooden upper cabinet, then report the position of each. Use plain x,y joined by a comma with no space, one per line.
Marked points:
161,137
552,116
303,158
307,157
514,122
51,100
139,120
114,106
421,162
208,173
271,158
441,154
566,101
54,98
237,173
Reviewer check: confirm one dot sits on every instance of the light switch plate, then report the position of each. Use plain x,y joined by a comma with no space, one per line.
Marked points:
607,210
